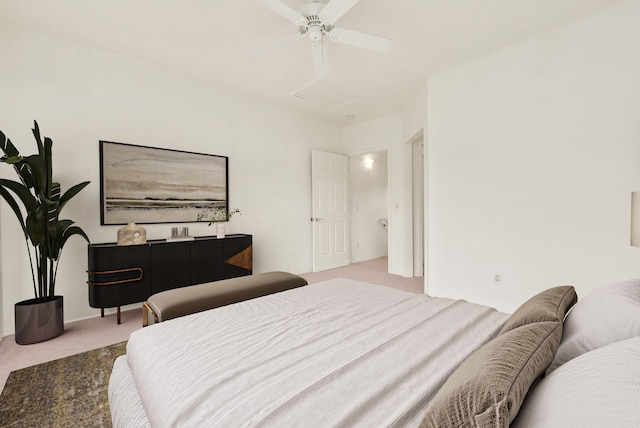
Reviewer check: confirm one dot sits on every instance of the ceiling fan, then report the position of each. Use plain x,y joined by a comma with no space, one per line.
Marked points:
315,20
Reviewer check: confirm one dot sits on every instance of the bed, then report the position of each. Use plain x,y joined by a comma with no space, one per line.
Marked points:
348,353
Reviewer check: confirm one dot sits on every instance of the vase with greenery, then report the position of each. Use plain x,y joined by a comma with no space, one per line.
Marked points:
37,202
218,216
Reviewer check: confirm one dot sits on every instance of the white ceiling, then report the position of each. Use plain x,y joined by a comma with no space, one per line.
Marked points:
211,40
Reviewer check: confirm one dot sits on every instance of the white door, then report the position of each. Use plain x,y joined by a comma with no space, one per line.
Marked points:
330,213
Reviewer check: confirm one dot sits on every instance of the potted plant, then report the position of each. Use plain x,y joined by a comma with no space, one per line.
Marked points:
218,216
37,202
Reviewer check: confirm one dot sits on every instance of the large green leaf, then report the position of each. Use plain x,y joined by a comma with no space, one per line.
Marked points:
37,168
48,144
36,221
12,156
7,147
65,231
14,206
36,134
55,192
27,198
51,224
71,193
44,169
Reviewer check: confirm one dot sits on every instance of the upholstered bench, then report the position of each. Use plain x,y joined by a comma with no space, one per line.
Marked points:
175,303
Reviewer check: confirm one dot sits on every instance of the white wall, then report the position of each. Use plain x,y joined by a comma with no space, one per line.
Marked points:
533,152
414,115
80,95
368,191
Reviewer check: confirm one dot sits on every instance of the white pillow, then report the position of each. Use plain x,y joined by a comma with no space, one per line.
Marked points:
607,315
598,389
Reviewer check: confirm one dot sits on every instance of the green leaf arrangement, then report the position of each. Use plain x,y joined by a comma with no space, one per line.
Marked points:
217,215
37,202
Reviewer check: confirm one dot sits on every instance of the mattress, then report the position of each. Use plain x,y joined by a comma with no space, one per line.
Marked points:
337,353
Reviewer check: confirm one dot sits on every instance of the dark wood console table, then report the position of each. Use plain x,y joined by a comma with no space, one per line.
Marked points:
121,275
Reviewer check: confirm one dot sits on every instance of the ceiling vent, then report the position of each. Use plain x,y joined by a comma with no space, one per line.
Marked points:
322,94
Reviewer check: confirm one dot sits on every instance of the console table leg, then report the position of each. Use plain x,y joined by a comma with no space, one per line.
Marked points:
118,314
101,312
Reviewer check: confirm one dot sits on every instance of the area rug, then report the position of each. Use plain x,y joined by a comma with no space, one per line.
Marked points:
69,392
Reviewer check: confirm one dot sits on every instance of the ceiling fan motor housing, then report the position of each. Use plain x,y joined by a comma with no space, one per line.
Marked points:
314,25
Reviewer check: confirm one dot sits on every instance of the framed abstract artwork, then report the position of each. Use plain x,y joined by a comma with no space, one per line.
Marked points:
141,184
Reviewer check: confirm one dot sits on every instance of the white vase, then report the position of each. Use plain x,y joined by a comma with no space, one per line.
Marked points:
132,234
220,230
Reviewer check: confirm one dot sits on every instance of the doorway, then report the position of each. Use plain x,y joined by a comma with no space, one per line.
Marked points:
368,178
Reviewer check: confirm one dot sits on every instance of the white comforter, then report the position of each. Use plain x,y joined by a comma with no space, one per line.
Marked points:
338,353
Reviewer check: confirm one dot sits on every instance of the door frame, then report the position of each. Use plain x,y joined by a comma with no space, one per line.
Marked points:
415,238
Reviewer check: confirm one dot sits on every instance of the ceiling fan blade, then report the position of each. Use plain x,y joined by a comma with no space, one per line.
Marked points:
282,9
361,40
320,60
278,44
335,9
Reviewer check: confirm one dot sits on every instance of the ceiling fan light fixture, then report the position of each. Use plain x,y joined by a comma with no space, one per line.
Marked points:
315,27
315,33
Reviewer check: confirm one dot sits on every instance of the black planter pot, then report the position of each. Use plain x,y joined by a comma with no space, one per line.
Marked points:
38,320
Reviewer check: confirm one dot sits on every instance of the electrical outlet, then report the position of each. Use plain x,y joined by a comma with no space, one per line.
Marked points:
497,278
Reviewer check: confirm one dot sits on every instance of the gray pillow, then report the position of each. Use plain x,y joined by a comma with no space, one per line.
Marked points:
487,389
600,388
607,315
549,305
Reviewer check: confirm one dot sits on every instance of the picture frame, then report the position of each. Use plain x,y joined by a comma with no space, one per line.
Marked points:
146,185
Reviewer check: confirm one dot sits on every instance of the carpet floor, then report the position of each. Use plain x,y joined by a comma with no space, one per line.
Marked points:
68,392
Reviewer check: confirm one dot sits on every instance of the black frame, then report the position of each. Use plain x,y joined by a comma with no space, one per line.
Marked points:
134,173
